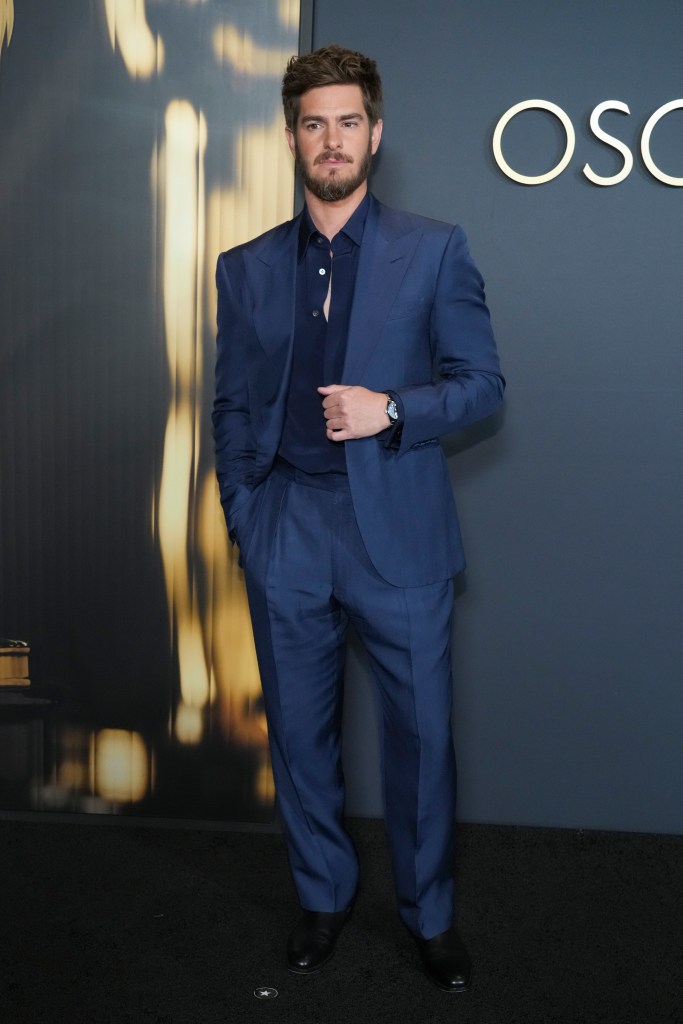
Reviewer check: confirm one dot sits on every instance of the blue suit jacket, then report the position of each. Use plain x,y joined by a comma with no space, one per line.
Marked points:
419,326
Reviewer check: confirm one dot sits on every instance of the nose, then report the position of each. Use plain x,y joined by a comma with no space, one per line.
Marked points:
333,139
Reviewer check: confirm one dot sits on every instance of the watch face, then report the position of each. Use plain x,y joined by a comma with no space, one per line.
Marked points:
392,411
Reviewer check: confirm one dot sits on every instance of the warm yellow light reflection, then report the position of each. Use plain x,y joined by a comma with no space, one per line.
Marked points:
184,145
183,160
265,787
194,676
121,765
263,174
127,23
73,774
229,629
288,13
189,724
239,49
6,21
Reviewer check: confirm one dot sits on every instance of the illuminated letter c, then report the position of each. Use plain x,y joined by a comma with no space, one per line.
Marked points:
668,179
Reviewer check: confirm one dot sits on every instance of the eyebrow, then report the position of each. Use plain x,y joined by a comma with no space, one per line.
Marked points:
321,117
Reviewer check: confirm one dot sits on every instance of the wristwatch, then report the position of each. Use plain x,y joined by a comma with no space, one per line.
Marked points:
392,409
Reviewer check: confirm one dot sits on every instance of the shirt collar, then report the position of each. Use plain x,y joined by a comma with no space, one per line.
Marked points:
353,229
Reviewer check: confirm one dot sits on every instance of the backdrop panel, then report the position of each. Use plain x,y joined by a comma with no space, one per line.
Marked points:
137,140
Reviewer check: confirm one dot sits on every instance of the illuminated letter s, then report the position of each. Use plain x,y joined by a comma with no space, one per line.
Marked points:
614,179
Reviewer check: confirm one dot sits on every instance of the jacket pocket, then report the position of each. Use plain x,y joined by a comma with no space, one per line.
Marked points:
429,443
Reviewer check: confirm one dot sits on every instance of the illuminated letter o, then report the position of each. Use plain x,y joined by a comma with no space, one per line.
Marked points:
536,179
645,144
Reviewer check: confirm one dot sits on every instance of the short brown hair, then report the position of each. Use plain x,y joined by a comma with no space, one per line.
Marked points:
331,65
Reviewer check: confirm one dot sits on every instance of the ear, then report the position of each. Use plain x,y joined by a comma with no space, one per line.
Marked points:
291,141
376,135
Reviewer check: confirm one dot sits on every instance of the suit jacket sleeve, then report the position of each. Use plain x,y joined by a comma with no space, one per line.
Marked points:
467,383
232,428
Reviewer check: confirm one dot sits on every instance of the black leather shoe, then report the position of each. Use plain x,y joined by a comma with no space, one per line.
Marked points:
313,940
446,962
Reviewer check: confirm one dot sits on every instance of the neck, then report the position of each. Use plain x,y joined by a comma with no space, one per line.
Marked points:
329,218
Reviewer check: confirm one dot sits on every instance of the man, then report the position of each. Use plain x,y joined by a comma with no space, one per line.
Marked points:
349,340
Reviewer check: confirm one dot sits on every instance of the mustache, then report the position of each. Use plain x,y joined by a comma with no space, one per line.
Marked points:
329,155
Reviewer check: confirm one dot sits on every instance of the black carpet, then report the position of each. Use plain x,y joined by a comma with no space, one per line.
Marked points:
109,924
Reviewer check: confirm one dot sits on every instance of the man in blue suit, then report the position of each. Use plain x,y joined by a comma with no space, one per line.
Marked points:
349,340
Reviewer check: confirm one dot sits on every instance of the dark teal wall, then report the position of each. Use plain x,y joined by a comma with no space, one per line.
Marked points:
569,645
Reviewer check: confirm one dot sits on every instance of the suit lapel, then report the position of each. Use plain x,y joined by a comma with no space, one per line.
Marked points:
271,276
385,256
271,273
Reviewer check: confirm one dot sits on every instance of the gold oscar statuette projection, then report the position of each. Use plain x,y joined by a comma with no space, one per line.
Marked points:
207,609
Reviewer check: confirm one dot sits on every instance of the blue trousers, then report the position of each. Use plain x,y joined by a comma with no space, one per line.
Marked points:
308,574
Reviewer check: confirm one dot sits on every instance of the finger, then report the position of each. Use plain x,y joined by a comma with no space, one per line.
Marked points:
330,389
338,435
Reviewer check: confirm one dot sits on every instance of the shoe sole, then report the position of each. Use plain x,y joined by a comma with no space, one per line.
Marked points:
453,989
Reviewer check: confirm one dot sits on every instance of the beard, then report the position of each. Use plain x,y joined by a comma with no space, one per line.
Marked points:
333,188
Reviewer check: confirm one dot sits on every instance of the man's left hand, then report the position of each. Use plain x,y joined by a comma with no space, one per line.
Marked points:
353,412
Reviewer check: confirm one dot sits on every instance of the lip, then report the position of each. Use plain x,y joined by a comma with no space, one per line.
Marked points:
332,162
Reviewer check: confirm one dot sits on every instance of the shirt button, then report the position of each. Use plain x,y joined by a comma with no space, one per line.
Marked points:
319,239
322,271
316,312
